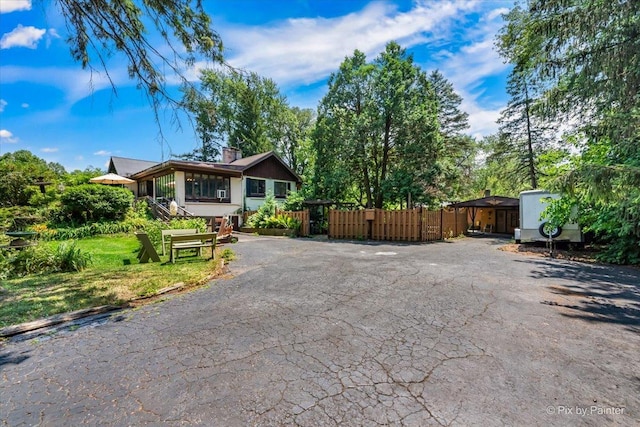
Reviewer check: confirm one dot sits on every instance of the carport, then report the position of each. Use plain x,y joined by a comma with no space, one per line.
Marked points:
492,214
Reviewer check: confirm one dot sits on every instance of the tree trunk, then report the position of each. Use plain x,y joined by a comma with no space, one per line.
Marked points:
532,169
385,159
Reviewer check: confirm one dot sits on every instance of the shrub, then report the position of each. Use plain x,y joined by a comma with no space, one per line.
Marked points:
294,202
91,202
282,222
66,257
228,255
93,229
267,210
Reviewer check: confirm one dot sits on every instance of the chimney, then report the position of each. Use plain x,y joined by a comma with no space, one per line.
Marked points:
230,154
487,193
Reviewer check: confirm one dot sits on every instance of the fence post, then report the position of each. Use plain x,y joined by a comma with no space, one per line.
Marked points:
441,224
455,220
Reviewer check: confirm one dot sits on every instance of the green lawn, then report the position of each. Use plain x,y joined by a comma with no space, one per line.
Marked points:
114,277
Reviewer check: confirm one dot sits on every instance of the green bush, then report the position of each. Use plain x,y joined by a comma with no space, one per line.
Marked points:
282,222
228,255
92,202
267,210
93,229
293,202
66,257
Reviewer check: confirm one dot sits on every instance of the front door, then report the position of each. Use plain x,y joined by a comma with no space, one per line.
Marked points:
501,221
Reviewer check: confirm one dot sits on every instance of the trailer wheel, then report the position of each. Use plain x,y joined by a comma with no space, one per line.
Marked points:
551,232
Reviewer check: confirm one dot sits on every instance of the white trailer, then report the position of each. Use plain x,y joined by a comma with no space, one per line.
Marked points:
532,204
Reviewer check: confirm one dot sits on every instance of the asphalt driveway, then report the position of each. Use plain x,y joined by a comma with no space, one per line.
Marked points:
313,332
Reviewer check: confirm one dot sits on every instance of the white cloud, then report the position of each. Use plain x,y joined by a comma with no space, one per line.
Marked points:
22,37
3,104
51,34
469,68
305,50
102,153
482,122
496,13
7,6
76,83
24,105
7,137
49,150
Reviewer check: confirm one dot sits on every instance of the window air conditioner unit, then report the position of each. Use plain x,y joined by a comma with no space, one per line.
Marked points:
222,194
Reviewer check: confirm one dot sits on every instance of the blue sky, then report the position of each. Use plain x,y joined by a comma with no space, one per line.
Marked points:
61,113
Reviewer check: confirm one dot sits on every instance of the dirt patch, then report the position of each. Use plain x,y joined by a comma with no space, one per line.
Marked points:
587,254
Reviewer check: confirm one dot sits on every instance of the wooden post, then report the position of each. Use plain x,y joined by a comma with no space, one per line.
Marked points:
455,220
441,225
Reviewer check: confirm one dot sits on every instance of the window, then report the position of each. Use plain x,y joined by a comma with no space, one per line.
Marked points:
255,187
204,187
280,189
165,187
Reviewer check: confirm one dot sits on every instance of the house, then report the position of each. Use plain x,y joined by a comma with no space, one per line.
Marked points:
211,189
496,214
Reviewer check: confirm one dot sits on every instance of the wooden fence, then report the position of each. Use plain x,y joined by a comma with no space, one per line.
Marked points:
302,216
409,225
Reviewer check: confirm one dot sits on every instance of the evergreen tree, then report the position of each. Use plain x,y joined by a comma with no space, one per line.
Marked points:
243,111
376,138
583,54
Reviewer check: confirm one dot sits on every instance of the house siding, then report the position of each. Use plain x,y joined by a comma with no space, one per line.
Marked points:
271,168
180,187
267,167
253,203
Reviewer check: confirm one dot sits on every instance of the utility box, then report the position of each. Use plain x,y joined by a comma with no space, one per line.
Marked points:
532,204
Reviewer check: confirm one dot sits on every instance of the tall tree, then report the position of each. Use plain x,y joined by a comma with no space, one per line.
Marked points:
523,135
452,120
240,110
375,140
294,145
20,170
341,134
584,54
452,123
207,128
522,132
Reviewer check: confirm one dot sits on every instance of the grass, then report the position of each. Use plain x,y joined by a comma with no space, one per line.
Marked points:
114,277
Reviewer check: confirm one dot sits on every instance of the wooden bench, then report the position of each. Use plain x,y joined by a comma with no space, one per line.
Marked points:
175,231
179,242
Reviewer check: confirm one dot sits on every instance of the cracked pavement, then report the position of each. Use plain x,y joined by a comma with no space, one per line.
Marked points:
311,332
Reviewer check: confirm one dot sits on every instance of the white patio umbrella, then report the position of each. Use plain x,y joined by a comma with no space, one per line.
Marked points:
111,178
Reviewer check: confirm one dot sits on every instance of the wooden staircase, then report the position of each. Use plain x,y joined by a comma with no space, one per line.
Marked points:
162,212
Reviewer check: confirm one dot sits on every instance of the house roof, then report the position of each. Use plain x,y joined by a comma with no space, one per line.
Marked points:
489,202
127,167
235,168
248,162
187,165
